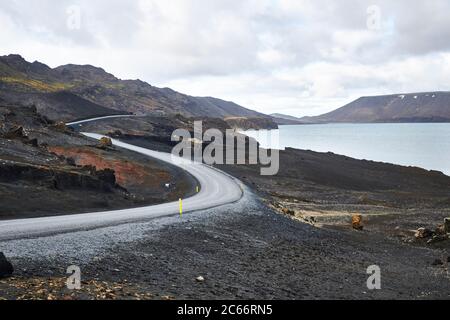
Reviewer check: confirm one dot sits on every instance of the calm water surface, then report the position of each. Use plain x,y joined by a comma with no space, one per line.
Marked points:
425,145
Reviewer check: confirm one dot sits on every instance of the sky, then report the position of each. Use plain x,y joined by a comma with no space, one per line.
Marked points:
297,57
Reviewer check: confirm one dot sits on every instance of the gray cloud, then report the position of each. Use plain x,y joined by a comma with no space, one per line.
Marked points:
299,56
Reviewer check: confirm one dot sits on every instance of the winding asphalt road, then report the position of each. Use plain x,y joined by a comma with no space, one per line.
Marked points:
217,189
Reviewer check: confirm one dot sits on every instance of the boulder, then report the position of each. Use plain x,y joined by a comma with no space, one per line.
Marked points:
33,142
437,262
438,238
288,211
357,222
423,233
6,268
107,175
105,142
60,126
447,225
14,133
116,134
440,230
71,162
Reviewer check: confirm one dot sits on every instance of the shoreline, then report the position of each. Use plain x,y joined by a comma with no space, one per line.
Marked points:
369,145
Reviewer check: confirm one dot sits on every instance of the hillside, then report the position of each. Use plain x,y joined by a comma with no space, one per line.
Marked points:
72,92
48,169
283,119
414,107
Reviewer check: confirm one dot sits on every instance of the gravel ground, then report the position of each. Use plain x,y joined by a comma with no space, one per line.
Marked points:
243,251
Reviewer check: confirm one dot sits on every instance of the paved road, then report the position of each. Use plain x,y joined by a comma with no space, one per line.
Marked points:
217,188
100,118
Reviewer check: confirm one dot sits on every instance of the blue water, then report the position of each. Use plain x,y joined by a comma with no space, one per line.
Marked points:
425,145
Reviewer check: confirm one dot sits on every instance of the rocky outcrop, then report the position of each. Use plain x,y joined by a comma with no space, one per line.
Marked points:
105,143
248,123
438,235
18,133
15,133
423,233
127,173
447,225
36,181
60,126
6,268
107,176
85,178
357,222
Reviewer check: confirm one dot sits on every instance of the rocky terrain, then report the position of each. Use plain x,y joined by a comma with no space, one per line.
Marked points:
309,232
46,168
295,242
412,107
243,251
73,92
325,189
248,123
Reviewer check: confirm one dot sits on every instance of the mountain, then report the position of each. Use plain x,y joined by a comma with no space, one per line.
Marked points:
283,119
73,92
413,107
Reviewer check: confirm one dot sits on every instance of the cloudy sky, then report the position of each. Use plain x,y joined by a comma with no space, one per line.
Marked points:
291,56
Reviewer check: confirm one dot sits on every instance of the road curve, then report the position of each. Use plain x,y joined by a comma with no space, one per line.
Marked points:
217,188
101,118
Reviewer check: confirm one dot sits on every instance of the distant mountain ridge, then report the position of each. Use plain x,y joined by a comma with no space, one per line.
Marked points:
284,119
411,107
72,92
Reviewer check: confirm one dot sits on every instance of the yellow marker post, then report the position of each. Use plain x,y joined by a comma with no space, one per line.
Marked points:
198,189
181,207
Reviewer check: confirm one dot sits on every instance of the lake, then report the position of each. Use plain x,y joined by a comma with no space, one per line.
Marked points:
425,145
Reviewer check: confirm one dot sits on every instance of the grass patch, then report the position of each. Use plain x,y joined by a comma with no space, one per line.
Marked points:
36,84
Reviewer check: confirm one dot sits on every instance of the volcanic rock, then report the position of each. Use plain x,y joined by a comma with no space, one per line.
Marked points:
6,268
